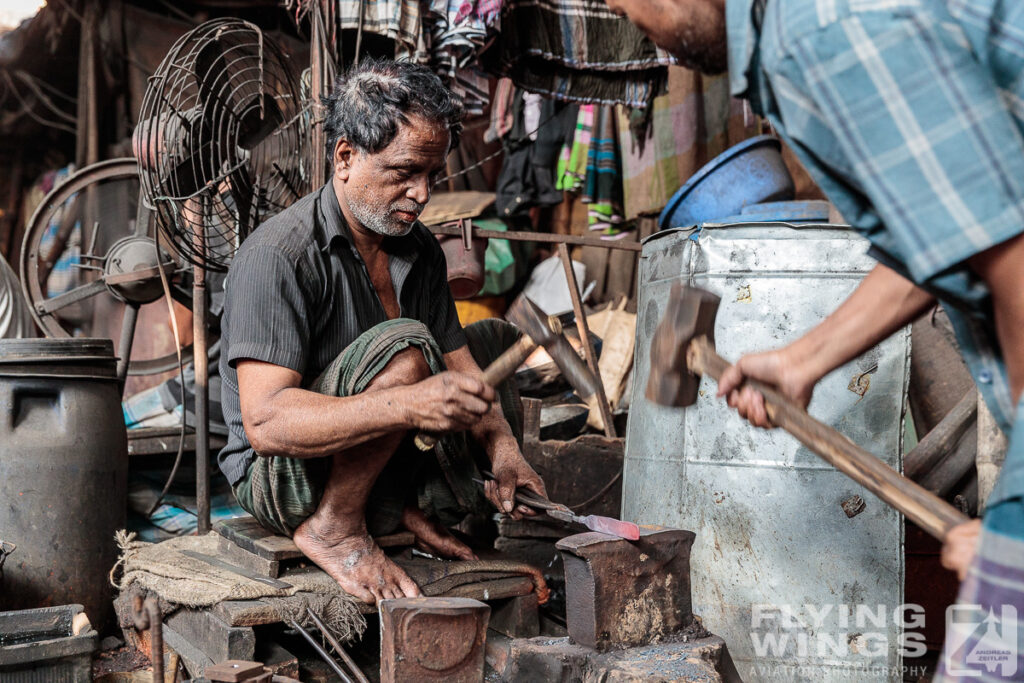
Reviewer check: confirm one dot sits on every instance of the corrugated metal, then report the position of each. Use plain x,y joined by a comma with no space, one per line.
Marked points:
771,535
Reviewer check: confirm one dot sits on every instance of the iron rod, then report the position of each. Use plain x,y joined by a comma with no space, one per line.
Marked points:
337,646
321,651
546,237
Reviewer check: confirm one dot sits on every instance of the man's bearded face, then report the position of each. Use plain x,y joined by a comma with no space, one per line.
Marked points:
386,191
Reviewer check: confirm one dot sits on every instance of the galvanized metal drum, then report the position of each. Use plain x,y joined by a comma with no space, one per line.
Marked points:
63,472
801,580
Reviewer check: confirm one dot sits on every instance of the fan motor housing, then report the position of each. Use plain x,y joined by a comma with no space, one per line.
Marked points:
128,255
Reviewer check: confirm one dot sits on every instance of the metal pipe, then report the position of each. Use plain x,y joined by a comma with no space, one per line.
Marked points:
124,345
321,651
200,362
337,647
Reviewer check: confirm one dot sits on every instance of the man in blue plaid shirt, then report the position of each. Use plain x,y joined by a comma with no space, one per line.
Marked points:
910,116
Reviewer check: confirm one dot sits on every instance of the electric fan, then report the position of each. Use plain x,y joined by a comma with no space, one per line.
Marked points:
221,146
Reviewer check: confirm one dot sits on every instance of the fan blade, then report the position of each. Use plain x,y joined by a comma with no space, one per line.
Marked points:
241,193
210,70
256,126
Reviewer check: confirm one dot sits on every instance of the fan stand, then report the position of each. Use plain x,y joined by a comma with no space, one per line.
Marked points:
201,357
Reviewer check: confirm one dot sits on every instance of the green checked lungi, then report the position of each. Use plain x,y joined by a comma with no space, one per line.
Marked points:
281,492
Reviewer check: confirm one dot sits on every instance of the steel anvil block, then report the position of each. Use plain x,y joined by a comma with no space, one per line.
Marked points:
624,593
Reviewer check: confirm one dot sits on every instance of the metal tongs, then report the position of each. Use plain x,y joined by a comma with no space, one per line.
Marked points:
606,525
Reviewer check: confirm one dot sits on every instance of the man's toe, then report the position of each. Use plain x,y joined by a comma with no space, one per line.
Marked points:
408,587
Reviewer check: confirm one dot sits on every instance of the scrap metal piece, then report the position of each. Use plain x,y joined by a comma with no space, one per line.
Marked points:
235,569
432,639
621,593
233,671
853,506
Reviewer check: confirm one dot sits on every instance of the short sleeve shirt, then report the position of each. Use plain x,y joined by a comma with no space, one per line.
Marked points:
298,293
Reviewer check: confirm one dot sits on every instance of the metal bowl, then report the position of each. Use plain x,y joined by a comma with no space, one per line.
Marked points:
748,173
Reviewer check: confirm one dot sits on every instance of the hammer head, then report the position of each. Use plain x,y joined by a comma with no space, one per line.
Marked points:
690,314
534,323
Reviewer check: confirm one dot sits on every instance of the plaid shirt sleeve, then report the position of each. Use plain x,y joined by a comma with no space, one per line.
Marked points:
910,116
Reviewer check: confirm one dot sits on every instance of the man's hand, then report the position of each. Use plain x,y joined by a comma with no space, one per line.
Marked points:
511,471
959,547
448,402
777,368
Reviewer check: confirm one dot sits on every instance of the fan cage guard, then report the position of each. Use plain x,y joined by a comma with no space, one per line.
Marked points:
221,140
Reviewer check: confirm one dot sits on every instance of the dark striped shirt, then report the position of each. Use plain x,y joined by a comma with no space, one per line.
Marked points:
298,293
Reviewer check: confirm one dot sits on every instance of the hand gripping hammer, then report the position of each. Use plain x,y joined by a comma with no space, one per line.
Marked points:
683,349
538,330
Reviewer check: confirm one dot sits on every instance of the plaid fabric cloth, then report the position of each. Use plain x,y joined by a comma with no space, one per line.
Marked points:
579,51
571,171
985,629
602,191
910,116
281,492
690,124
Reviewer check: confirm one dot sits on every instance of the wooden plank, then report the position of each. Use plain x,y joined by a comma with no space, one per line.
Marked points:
497,589
210,634
195,659
603,409
249,535
234,554
257,612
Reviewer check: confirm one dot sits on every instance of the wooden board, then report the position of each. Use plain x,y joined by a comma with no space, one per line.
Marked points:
257,612
246,533
451,206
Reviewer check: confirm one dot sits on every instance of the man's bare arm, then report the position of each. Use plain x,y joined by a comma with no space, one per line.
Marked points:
494,433
883,303
280,418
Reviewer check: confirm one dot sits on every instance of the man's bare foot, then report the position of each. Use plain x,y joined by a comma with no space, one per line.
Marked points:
356,563
432,537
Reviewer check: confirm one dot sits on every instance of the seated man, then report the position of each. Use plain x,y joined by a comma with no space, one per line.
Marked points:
337,331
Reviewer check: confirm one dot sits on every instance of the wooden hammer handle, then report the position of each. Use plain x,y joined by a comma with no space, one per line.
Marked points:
503,367
923,507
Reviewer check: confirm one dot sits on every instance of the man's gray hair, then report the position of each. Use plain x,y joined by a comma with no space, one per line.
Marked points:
371,99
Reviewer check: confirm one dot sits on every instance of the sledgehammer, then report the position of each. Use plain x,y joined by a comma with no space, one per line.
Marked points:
683,349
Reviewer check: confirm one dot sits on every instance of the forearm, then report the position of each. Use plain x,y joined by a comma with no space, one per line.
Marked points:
882,304
493,432
298,423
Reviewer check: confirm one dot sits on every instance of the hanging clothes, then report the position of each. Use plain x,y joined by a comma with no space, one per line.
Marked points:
577,50
527,176
501,111
458,31
572,163
602,190
692,123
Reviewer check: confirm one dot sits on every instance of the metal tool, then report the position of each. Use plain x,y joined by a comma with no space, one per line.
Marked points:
606,525
538,330
234,569
683,349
